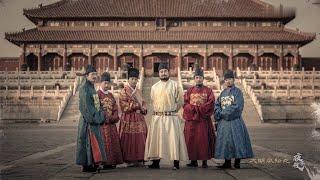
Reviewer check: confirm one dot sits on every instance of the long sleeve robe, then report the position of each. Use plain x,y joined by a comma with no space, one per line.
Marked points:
165,138
109,128
90,144
198,131
232,140
133,128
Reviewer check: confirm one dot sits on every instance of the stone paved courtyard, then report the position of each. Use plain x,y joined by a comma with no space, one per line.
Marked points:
46,151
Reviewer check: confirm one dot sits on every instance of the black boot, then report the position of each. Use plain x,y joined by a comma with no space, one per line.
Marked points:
226,164
204,164
193,163
155,164
106,167
237,163
89,168
176,165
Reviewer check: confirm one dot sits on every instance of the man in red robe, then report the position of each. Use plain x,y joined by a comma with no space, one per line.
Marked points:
109,128
133,128
199,132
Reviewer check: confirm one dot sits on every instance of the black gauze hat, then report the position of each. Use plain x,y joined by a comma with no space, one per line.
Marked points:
106,77
198,71
228,74
89,69
163,66
133,72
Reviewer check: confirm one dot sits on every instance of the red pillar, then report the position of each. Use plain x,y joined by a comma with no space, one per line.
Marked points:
115,60
90,55
22,56
39,59
205,59
180,58
230,60
280,62
64,58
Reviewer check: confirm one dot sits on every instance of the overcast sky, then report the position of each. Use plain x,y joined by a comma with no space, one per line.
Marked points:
12,20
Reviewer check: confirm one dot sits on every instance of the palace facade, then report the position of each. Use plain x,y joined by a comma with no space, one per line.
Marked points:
224,34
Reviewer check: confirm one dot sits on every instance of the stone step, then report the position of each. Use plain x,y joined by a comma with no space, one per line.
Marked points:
69,113
250,114
72,108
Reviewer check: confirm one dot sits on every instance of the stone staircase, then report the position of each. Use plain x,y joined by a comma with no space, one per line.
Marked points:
71,114
250,114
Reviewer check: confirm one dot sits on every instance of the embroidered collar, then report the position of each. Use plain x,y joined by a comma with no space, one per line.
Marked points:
133,90
104,92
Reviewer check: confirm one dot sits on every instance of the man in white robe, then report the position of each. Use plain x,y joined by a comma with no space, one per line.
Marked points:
165,139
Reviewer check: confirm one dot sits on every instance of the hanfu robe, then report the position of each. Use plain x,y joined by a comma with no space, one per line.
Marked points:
232,136
165,138
90,145
109,128
198,131
133,128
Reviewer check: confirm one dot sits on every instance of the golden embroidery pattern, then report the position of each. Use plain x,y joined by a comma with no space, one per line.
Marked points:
108,104
197,99
133,127
227,101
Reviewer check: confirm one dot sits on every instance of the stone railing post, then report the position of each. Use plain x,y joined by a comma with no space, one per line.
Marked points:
275,95
19,92
57,92
218,83
262,92
6,92
31,92
44,92
214,73
288,92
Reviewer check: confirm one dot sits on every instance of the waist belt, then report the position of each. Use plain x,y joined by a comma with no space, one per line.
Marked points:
167,113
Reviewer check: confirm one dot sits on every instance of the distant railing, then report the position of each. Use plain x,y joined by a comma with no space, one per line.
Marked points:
271,74
254,99
63,103
180,80
141,79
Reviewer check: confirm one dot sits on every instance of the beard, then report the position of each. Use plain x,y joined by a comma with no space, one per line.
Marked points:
166,78
229,85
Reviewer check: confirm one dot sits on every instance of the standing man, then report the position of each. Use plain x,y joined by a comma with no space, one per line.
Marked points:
90,145
232,136
165,138
109,128
198,131
133,128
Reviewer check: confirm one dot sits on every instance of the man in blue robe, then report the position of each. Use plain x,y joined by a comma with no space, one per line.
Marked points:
90,150
232,136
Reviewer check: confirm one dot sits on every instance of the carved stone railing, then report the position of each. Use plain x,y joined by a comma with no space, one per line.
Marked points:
254,99
281,74
141,79
38,74
179,79
37,82
64,102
